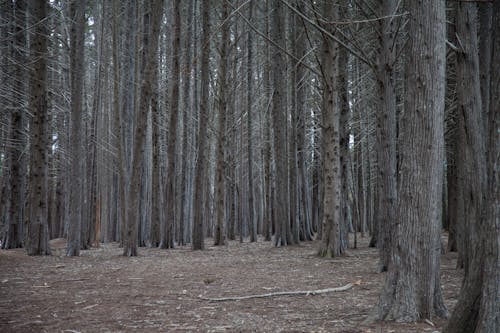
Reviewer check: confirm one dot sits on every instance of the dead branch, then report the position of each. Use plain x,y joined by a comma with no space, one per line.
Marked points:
279,293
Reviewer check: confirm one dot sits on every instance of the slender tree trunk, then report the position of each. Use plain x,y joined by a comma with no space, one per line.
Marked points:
141,116
220,234
37,232
331,245
251,206
386,131
198,241
77,15
167,230
412,290
15,227
279,114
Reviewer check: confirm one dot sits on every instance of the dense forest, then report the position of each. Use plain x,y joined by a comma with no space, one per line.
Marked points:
170,123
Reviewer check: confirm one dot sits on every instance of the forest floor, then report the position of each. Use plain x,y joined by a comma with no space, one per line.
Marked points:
161,290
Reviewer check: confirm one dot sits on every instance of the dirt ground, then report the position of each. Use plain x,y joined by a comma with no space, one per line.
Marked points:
159,291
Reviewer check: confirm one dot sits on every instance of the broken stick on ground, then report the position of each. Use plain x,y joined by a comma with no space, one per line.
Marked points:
280,293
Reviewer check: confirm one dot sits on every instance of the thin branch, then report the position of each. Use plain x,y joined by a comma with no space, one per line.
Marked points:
328,34
279,293
270,40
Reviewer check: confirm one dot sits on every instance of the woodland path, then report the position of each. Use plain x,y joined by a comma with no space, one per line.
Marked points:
160,290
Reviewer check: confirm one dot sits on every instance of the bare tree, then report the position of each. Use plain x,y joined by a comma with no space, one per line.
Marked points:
331,245
412,290
17,156
167,227
386,130
77,15
141,116
279,120
198,242
478,309
37,232
220,229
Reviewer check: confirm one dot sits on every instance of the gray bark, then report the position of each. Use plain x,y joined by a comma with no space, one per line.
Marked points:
220,229
331,245
167,230
279,119
477,309
15,220
77,15
412,290
37,232
198,241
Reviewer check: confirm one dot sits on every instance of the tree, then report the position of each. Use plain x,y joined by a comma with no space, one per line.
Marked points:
141,116
251,206
279,120
220,229
15,227
412,290
477,309
77,14
37,231
167,227
198,242
386,130
331,245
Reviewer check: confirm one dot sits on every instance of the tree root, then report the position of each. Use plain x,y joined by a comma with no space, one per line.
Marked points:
279,293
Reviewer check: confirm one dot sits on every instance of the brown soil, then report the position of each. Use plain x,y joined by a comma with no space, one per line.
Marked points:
159,291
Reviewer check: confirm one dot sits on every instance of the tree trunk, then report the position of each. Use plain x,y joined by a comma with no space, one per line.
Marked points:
38,233
77,15
478,309
279,115
15,227
386,131
141,116
252,223
198,241
331,245
167,230
220,234
412,290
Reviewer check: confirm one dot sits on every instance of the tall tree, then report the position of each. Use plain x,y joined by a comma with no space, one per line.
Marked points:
331,246
17,58
252,223
412,290
220,194
77,15
198,242
279,121
478,309
167,227
140,121
37,232
386,129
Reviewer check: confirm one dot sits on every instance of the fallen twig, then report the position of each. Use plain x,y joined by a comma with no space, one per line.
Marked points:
279,293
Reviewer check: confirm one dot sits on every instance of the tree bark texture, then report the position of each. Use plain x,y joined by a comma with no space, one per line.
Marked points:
478,309
386,131
167,230
331,245
279,118
220,193
141,116
412,289
15,227
37,232
77,14
198,241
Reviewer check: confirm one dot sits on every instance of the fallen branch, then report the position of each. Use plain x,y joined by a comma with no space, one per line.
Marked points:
279,293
